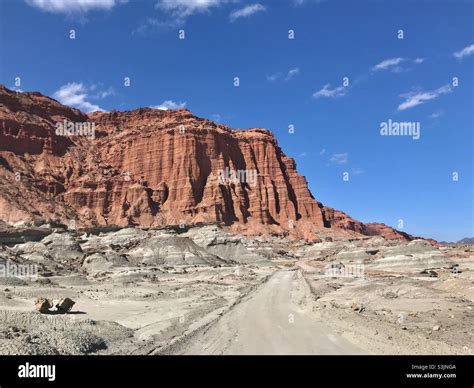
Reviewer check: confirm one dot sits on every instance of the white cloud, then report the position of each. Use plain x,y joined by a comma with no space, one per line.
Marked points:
330,93
273,77
246,11
105,93
276,76
303,155
301,2
339,158
394,64
322,152
76,95
391,63
169,104
74,6
413,99
292,73
465,52
176,12
100,94
357,171
180,10
436,114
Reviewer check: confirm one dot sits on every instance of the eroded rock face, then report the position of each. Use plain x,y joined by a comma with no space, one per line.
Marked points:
153,168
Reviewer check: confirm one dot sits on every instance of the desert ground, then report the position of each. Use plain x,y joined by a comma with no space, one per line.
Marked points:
204,291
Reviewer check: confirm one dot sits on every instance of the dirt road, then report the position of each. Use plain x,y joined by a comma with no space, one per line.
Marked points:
275,319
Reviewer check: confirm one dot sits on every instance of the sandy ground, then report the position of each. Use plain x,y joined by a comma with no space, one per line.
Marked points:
276,318
151,313
206,292
397,314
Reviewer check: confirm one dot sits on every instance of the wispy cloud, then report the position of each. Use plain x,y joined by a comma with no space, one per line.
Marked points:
339,158
292,73
322,152
246,11
303,155
301,2
327,92
77,95
357,171
436,114
465,52
277,76
74,6
180,10
388,64
395,64
413,99
169,104
101,93
273,77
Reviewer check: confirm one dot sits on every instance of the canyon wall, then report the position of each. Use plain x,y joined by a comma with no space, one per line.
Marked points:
153,168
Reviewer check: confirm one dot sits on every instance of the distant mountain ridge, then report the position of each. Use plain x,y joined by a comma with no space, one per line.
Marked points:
466,240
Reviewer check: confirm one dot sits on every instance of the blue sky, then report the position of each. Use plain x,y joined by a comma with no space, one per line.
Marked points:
282,82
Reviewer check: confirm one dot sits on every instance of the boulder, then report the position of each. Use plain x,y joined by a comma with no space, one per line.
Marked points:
43,305
65,305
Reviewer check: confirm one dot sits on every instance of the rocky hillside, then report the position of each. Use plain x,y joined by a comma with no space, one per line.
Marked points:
153,168
466,240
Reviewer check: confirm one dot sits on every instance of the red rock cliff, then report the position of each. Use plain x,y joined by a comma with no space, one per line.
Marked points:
151,168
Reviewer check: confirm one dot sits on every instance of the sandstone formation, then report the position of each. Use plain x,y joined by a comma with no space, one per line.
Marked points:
153,168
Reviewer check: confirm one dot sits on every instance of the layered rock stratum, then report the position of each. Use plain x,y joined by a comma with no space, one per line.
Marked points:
153,168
